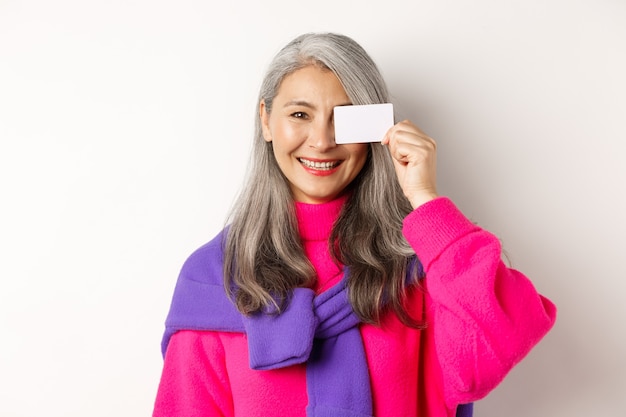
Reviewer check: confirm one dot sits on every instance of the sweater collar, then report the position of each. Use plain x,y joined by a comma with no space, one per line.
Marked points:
315,221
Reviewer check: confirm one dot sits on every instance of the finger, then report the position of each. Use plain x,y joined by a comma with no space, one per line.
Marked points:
407,126
407,132
410,153
404,125
403,144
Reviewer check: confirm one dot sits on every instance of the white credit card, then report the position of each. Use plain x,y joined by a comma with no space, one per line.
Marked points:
362,123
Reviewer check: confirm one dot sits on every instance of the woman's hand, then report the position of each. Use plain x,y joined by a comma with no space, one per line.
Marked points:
414,155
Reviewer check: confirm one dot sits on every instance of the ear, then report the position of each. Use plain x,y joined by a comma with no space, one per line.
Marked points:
265,121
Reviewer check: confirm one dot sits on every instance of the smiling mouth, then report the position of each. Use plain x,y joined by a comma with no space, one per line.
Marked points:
321,166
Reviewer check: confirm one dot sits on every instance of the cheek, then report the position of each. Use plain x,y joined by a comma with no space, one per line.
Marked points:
288,134
364,154
359,153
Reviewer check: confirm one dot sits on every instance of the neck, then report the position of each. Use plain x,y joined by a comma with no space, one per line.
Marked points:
315,221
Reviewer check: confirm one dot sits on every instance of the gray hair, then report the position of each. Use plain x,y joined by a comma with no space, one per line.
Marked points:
264,259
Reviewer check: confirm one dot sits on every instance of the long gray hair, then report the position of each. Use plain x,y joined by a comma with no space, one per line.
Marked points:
264,258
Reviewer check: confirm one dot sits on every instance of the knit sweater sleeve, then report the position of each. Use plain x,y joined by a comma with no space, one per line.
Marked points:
483,317
194,380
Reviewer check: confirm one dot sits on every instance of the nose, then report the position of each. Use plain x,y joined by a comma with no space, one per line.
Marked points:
322,136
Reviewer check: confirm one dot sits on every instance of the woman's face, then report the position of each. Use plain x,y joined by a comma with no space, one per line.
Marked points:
300,127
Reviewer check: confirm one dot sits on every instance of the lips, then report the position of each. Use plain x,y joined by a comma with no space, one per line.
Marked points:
319,165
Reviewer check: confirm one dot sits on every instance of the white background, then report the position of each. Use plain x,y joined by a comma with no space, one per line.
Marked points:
125,129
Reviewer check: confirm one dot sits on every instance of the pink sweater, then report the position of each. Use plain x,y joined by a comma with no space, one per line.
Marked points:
483,318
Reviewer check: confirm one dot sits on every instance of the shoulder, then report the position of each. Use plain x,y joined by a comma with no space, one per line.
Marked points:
199,301
205,264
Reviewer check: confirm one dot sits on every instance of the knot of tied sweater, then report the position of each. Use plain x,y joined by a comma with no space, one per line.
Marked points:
321,331
279,340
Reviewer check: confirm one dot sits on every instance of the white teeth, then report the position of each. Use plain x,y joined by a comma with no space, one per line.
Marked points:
318,165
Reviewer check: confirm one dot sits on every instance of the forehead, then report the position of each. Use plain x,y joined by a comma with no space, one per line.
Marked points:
311,82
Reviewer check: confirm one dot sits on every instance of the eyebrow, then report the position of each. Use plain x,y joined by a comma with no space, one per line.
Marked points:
302,103
305,103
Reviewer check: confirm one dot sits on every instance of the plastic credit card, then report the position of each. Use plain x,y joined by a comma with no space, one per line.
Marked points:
362,123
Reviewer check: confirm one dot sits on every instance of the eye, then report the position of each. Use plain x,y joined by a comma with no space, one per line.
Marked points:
299,115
